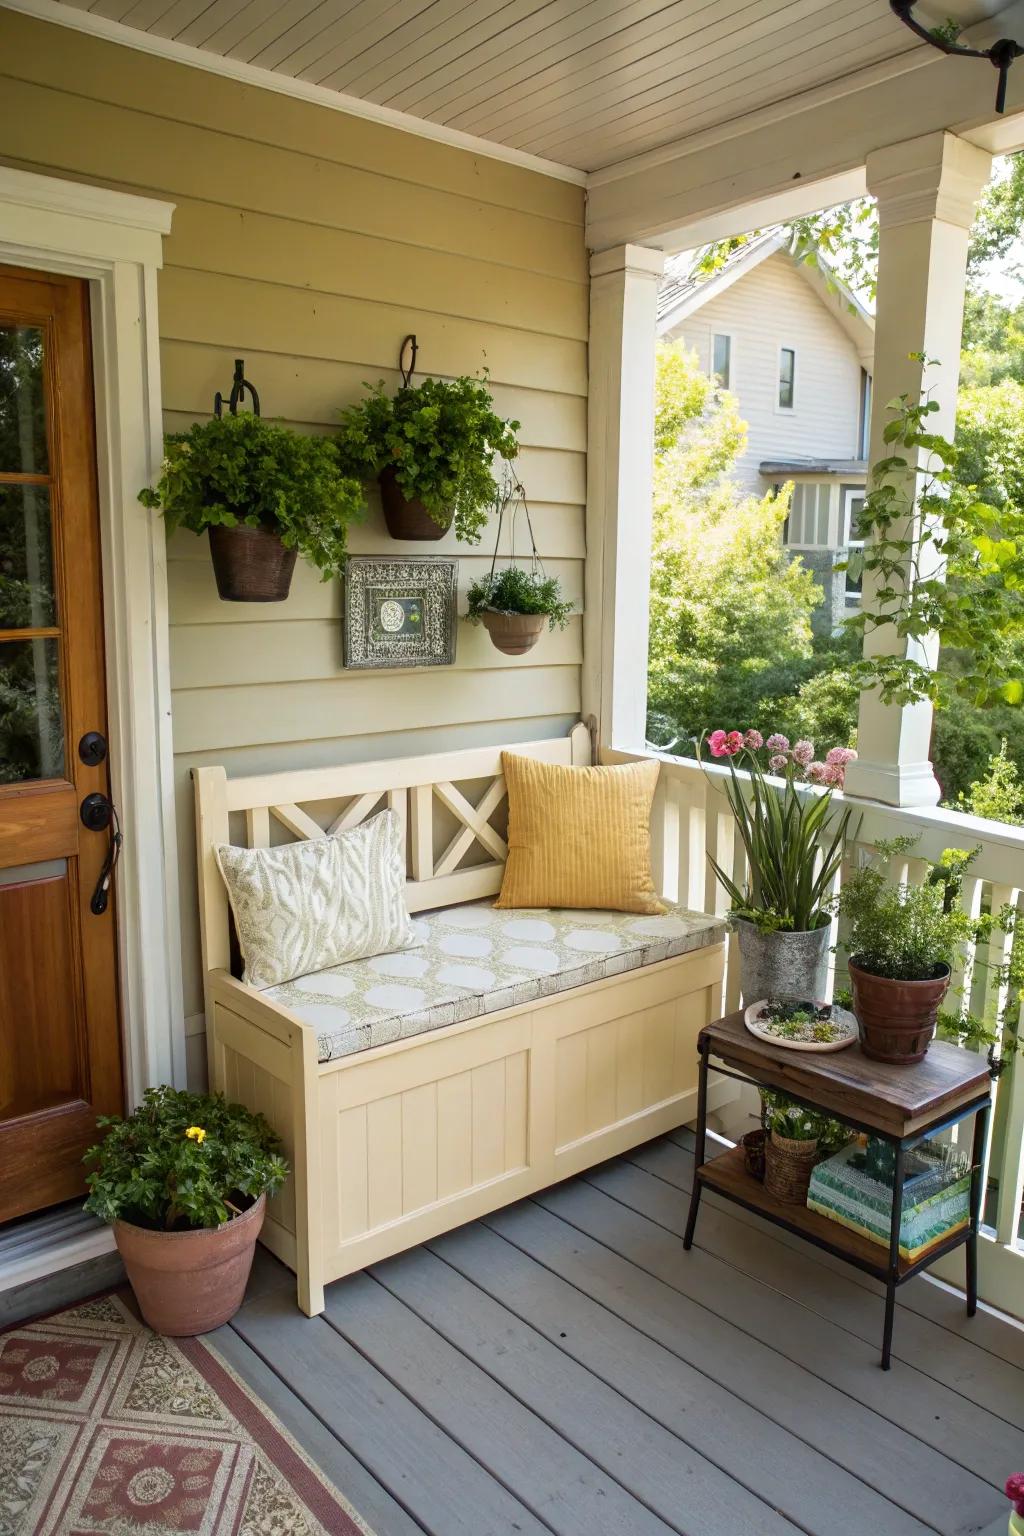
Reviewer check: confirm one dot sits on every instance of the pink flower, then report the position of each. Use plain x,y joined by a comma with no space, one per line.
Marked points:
803,752
1015,1491
816,772
734,743
840,756
778,763
716,744
777,743
835,774
754,740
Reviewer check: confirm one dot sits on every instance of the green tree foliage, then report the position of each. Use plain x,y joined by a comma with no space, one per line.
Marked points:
999,794
993,340
730,611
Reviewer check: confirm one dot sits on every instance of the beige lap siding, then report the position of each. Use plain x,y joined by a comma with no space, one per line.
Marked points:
310,243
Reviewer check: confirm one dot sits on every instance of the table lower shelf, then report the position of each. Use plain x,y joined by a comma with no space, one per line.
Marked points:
727,1175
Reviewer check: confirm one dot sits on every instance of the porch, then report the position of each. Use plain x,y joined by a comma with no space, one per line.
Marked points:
564,1366
560,1365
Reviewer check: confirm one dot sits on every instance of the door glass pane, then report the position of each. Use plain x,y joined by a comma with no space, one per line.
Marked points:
22,407
31,729
26,561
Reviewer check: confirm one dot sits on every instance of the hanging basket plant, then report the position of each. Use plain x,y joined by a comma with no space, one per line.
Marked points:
432,447
515,603
264,494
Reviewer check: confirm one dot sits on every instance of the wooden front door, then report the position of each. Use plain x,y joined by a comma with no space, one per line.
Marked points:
60,1059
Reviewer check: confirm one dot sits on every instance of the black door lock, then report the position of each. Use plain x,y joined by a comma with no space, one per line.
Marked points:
92,749
96,812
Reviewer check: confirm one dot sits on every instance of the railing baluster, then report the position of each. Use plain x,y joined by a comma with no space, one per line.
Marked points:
1011,1173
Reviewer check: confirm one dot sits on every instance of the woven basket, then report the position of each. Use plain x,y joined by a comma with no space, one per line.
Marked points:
787,1168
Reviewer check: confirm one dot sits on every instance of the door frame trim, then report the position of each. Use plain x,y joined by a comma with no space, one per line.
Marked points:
114,240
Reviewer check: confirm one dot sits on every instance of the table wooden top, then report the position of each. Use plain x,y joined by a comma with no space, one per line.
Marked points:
896,1100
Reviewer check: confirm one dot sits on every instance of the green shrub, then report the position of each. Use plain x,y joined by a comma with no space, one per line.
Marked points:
514,590
181,1161
441,438
905,932
234,470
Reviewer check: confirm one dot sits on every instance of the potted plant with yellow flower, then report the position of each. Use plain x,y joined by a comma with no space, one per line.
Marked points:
184,1181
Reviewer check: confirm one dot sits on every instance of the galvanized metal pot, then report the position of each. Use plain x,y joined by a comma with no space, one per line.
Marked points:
774,965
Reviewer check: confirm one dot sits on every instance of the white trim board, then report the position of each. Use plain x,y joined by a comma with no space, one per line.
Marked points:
114,240
286,85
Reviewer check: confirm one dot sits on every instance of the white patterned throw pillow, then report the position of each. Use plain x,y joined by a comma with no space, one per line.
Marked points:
306,906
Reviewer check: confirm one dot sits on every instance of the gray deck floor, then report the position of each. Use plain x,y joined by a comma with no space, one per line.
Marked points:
565,1367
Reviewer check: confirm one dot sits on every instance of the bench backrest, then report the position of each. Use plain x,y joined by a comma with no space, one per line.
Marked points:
443,826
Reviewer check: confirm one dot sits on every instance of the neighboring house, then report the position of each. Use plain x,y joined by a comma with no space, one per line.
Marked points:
796,348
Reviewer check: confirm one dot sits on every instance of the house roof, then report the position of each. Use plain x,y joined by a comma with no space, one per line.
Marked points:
684,290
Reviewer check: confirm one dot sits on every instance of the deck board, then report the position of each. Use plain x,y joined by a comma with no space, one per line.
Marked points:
961,1431
565,1367
657,1468
831,1290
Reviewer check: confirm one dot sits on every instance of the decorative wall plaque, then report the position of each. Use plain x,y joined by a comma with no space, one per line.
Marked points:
400,613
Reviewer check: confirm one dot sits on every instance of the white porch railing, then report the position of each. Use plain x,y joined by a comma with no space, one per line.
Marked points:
692,819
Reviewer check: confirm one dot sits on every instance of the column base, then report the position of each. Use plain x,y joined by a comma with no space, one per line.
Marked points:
906,784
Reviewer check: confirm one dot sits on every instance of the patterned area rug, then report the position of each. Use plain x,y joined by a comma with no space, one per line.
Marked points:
107,1427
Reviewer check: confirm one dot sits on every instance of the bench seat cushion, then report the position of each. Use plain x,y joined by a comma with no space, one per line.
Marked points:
474,960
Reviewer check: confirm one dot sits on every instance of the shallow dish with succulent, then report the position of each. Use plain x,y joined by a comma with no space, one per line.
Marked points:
800,1025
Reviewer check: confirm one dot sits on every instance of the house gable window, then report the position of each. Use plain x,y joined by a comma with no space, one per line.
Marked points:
721,360
787,378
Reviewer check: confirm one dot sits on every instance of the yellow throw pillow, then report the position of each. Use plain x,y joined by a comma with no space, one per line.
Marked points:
579,837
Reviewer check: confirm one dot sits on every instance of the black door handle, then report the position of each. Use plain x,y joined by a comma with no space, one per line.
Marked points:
97,812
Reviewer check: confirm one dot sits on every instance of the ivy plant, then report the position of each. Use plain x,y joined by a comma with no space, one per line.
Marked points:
943,562
181,1162
440,437
235,470
515,590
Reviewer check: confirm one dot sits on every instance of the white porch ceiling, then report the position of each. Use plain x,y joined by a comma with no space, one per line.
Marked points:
584,83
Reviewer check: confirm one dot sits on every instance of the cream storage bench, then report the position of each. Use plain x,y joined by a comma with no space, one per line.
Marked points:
424,1088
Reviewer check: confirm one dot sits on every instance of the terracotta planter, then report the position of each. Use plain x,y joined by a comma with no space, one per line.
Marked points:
896,1018
753,1144
513,633
251,565
407,519
787,1168
190,1282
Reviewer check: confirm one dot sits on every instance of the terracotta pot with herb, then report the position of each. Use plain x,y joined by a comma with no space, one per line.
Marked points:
515,606
264,494
903,939
432,448
184,1181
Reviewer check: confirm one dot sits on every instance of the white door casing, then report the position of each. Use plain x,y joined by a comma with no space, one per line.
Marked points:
114,240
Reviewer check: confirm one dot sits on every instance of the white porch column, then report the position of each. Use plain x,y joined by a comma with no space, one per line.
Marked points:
926,189
620,464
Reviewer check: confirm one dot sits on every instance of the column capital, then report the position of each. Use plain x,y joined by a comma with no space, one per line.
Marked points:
631,260
937,176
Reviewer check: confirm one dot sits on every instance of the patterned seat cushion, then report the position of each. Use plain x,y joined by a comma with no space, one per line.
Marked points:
473,960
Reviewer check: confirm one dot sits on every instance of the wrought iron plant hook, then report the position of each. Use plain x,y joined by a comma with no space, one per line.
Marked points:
411,343
239,385
1001,54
